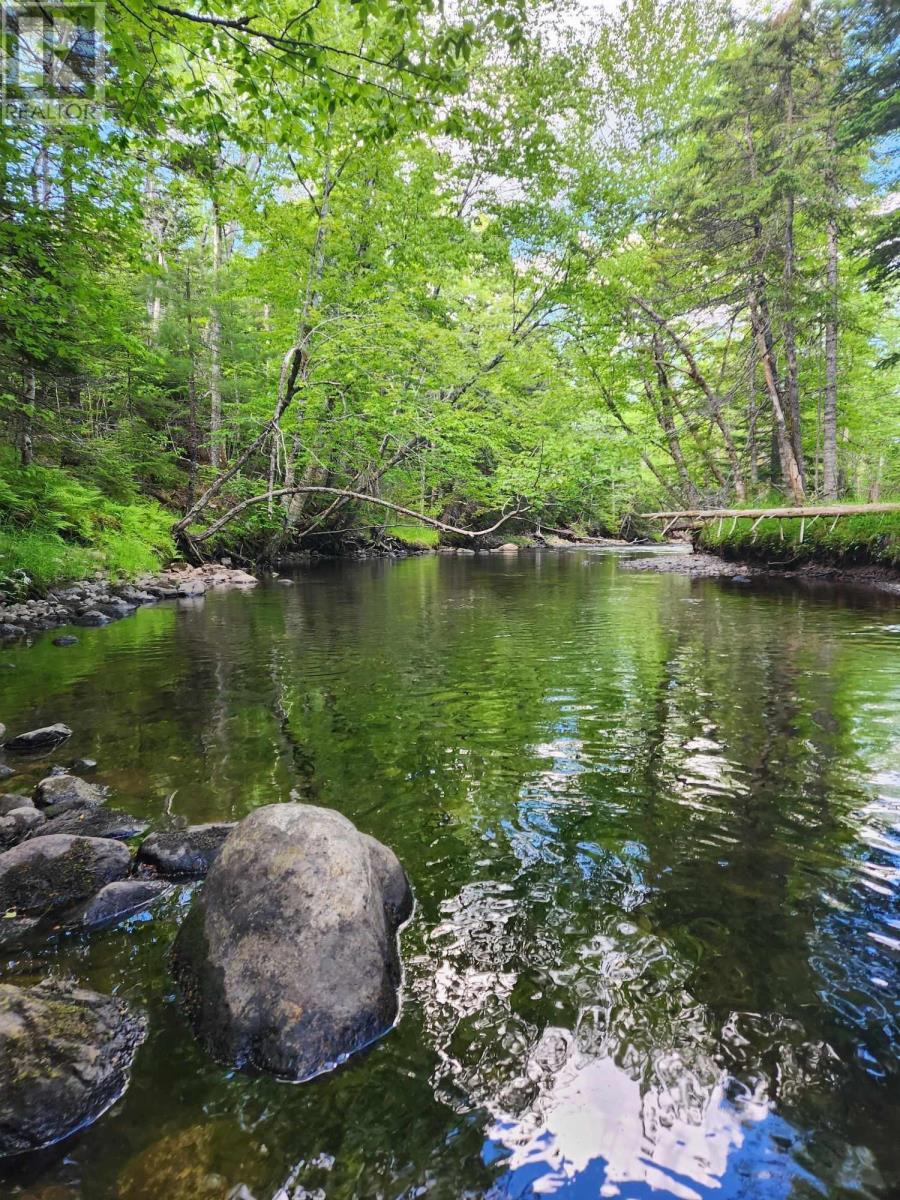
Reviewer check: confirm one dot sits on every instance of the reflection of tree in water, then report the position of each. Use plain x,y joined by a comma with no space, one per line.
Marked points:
646,1009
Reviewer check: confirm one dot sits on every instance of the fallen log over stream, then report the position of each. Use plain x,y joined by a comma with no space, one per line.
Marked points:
820,510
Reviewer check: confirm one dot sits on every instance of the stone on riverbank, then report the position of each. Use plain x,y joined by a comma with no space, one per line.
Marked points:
12,801
114,903
95,823
288,959
184,853
97,601
39,741
91,618
15,826
65,1053
47,874
64,792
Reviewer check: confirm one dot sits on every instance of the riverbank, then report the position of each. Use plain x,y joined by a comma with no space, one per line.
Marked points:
700,565
861,550
97,602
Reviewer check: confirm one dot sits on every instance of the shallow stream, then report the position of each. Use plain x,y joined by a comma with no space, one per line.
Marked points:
653,828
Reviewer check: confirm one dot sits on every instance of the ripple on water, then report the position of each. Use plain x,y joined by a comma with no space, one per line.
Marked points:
653,828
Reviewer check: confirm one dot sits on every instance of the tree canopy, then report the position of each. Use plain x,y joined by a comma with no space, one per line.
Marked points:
527,256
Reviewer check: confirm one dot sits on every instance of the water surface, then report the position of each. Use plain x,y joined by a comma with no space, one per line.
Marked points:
653,828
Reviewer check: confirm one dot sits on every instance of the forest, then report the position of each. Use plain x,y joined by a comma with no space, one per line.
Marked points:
371,272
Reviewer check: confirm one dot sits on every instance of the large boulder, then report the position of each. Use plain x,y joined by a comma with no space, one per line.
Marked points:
184,853
39,741
46,874
65,792
288,959
65,1053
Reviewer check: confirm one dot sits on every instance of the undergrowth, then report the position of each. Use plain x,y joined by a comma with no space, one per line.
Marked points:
54,528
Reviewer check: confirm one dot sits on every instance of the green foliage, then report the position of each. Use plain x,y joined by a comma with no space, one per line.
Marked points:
515,243
54,528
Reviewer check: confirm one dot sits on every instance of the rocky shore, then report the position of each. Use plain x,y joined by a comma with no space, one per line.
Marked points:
98,601
699,565
287,961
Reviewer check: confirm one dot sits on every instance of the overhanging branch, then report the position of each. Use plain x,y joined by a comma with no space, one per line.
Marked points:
361,497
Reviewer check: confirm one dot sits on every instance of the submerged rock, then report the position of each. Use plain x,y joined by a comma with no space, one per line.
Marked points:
184,853
47,874
63,792
5,771
67,639
189,1165
288,959
84,766
39,741
65,1053
114,903
95,822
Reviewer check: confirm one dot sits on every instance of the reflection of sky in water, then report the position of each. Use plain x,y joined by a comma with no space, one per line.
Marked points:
640,1090
632,1100
595,1133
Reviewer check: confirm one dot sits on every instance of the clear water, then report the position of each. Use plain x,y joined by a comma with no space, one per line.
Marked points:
653,827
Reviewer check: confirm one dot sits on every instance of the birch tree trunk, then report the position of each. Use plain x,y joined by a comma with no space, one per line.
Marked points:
214,340
831,483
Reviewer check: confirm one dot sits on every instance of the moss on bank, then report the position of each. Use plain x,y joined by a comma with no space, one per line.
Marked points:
849,541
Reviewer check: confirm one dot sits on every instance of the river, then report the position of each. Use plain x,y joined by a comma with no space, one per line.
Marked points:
653,829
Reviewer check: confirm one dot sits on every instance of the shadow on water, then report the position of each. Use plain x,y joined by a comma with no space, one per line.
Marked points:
652,825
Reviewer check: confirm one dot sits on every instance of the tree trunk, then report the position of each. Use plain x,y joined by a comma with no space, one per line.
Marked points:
829,419
192,438
154,299
216,443
791,379
292,500
713,401
789,469
667,425
25,441
752,415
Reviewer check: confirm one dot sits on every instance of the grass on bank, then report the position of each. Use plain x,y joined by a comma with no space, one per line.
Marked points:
54,529
865,538
421,536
